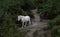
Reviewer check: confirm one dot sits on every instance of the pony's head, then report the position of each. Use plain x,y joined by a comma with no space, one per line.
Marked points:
20,17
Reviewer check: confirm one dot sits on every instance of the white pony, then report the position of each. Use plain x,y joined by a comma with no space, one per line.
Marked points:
24,19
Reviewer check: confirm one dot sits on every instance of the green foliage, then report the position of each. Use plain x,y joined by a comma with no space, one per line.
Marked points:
20,34
56,31
49,8
55,26
55,21
30,14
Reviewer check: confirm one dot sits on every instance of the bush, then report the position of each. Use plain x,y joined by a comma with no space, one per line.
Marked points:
55,21
50,9
30,14
56,31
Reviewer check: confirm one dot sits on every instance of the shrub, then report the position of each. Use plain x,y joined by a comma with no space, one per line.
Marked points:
30,14
56,31
55,21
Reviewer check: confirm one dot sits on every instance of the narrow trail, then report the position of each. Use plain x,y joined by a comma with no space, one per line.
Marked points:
36,25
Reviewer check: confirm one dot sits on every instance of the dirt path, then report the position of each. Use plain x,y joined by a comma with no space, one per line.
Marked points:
36,25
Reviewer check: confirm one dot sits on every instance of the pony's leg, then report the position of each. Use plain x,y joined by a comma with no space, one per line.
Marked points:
29,22
25,24
22,24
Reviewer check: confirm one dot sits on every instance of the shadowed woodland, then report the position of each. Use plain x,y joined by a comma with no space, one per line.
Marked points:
10,9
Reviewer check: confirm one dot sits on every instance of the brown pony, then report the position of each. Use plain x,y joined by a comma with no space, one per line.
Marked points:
41,16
